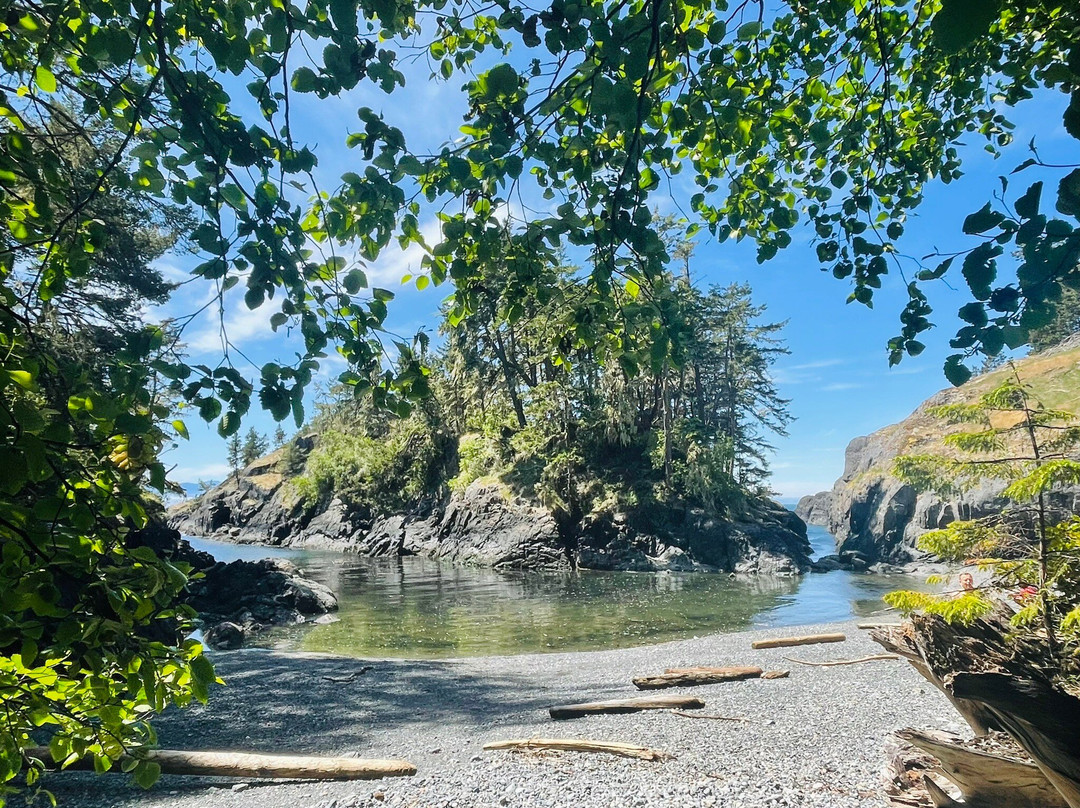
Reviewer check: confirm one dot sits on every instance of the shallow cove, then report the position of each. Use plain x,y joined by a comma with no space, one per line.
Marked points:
419,608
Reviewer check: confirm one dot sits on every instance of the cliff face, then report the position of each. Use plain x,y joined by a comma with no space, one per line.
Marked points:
873,513
486,525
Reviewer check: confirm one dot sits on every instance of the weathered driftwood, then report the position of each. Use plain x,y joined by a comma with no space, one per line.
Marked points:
808,639
574,745
776,674
998,680
617,706
834,662
711,717
1041,718
878,624
985,779
937,794
243,764
689,677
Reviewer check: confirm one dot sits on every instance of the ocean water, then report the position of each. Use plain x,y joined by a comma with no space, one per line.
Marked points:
421,608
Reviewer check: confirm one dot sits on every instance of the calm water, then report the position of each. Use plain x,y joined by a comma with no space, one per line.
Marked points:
415,607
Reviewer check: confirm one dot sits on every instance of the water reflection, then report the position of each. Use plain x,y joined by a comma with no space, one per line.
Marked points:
416,607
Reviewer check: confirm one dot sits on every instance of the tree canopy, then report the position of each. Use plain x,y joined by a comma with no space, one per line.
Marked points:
837,116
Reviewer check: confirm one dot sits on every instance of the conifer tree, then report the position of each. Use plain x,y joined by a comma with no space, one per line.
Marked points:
235,450
254,446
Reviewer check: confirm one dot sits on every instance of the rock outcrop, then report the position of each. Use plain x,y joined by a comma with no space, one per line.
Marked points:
237,599
814,508
487,525
879,518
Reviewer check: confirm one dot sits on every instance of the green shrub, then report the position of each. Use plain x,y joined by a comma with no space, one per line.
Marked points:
374,475
478,456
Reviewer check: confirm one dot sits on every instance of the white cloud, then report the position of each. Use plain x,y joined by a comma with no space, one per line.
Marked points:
805,373
209,471
238,324
836,387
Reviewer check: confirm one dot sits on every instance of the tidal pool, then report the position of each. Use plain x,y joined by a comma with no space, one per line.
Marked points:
420,608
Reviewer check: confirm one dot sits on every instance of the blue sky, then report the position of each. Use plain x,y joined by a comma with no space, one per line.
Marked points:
837,374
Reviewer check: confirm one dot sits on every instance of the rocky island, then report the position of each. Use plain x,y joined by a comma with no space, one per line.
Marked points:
487,525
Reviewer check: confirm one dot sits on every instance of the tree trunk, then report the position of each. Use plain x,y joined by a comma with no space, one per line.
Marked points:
986,779
1000,680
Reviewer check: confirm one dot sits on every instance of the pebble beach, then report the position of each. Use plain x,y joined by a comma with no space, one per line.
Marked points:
816,738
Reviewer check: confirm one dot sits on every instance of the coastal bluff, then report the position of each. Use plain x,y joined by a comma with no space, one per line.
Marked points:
880,518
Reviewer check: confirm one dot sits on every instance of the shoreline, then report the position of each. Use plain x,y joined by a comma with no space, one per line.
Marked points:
815,739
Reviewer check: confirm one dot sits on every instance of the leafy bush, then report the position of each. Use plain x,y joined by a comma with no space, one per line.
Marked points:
376,476
478,456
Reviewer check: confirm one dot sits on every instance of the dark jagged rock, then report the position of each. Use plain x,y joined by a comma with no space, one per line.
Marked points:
872,513
487,525
234,600
254,595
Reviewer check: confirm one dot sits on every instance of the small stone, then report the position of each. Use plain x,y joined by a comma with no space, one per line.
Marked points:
240,787
379,795
435,751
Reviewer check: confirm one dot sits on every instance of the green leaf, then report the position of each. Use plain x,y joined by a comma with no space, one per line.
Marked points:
955,371
147,773
960,22
44,79
181,429
982,220
1027,206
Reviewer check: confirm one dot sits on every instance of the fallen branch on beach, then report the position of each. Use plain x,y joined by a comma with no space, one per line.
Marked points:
833,662
341,680
683,714
776,674
619,706
573,745
808,639
688,677
241,764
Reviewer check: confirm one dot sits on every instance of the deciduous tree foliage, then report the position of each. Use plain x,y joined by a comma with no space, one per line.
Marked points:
835,114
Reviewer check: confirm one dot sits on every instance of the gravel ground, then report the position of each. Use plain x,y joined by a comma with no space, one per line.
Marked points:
814,739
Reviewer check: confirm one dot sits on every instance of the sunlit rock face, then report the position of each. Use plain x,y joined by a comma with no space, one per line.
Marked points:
488,525
878,518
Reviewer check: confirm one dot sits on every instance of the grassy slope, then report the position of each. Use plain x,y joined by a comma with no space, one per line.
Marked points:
1054,379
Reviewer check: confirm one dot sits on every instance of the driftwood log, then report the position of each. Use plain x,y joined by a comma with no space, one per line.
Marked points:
574,745
778,674
986,779
618,706
787,642
689,677
999,681
242,764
